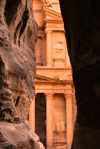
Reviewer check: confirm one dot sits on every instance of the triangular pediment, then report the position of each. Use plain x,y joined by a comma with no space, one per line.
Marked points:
40,78
43,79
49,14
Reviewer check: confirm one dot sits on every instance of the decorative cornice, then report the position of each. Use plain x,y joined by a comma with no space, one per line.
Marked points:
53,68
43,79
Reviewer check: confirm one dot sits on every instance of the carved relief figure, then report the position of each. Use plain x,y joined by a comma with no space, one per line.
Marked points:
58,49
39,51
60,126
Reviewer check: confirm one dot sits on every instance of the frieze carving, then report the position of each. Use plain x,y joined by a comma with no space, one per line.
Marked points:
58,49
60,127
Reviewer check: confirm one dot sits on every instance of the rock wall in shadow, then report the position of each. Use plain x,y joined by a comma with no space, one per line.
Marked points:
82,26
18,35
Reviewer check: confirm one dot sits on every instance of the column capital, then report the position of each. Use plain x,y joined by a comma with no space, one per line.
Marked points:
68,96
48,96
48,31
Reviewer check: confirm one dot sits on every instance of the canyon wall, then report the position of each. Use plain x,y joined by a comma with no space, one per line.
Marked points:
18,35
82,29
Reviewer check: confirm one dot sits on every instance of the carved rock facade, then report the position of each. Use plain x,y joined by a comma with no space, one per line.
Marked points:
54,105
18,34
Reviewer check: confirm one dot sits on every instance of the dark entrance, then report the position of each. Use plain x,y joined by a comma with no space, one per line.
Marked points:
40,117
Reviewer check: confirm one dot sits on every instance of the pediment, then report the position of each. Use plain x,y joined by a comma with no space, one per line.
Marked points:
43,79
40,78
49,14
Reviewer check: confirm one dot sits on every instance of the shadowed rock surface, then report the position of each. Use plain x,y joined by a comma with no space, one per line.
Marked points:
18,35
82,25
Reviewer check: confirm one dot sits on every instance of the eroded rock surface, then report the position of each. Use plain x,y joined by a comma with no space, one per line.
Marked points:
18,35
82,25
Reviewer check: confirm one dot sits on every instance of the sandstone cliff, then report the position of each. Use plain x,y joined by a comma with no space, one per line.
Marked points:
18,35
82,25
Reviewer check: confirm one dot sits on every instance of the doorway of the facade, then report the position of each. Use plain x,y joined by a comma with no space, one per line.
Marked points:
40,117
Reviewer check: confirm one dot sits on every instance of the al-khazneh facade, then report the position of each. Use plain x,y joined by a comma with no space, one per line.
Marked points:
53,110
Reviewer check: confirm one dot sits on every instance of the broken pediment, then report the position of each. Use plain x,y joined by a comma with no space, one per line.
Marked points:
51,14
52,4
48,3
67,76
44,79
40,78
52,19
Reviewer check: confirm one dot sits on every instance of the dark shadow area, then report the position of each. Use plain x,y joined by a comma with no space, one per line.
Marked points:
40,117
11,10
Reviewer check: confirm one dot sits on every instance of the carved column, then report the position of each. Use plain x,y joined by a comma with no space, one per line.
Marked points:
69,121
48,46
49,131
32,114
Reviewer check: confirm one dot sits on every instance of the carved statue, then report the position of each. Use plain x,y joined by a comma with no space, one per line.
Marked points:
60,126
58,49
38,50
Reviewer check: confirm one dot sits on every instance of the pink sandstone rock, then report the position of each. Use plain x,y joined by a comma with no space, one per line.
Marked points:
18,35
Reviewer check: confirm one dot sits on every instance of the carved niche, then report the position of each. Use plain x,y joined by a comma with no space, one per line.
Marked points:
59,122
39,51
58,54
60,127
58,49
60,140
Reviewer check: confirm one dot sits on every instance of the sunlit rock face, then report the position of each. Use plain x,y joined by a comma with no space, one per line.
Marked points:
82,25
18,35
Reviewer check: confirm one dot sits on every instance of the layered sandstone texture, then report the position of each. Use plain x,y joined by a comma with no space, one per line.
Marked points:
82,25
18,35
